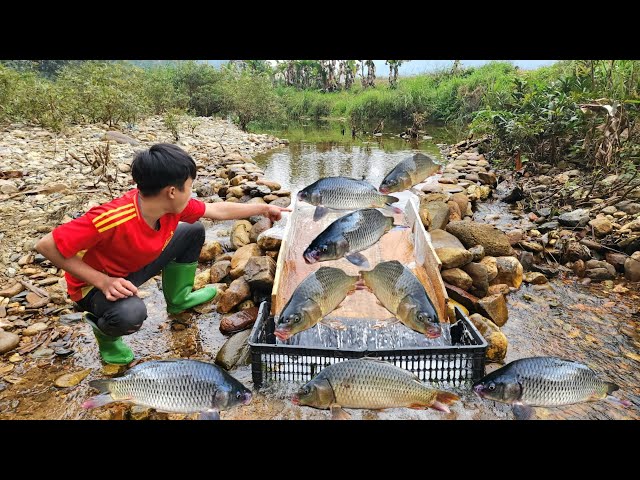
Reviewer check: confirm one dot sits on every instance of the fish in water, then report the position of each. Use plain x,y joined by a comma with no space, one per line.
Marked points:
343,193
543,382
369,383
317,296
408,173
400,292
348,235
178,386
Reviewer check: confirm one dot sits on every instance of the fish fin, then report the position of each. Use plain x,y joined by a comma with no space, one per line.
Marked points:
390,209
358,259
399,227
422,406
361,285
319,213
337,413
98,401
102,385
522,412
333,324
209,415
612,399
443,399
611,387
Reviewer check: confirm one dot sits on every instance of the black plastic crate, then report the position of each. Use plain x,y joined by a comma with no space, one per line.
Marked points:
454,365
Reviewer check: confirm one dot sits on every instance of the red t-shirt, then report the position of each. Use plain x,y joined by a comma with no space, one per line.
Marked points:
116,239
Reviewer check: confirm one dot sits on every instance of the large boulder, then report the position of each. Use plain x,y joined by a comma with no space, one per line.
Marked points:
210,250
632,268
576,218
457,277
494,241
219,270
238,291
259,272
497,348
240,234
260,226
479,275
235,351
241,257
434,215
449,250
495,308
509,271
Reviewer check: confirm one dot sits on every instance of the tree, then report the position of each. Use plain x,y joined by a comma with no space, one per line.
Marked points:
393,71
251,97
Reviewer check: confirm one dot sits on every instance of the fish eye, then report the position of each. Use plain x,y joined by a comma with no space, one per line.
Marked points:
239,395
305,390
492,386
324,248
296,319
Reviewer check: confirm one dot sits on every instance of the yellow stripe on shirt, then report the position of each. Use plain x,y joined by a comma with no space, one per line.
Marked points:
114,216
112,211
111,225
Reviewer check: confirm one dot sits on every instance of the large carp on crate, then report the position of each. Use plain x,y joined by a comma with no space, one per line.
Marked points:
360,326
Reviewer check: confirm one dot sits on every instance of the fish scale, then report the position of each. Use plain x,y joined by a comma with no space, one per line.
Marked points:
391,282
181,387
363,228
327,286
344,193
553,382
368,383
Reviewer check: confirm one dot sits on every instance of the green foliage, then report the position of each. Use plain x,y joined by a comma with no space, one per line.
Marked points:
251,98
104,92
172,119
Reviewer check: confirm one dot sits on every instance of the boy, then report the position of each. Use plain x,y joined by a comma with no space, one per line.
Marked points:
114,248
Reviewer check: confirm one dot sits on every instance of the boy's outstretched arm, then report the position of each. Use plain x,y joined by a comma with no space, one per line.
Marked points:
230,211
113,288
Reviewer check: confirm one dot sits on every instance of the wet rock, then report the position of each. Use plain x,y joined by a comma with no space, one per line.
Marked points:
273,186
120,138
260,226
515,236
236,322
454,211
601,273
235,350
34,329
432,188
494,241
237,292
609,210
631,269
509,271
259,272
491,265
434,215
500,288
472,177
494,307
8,341
526,260
246,305
210,250
464,298
488,178
12,290
549,271
548,226
202,279
576,218
535,278
70,318
514,196
590,244
257,200
480,277
462,201
617,260
579,268
453,257
477,252
270,239
497,342
241,257
219,270
240,234
629,208
71,379
532,247
573,251
281,202
457,277
601,226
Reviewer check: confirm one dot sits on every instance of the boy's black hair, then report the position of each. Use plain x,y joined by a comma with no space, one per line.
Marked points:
162,165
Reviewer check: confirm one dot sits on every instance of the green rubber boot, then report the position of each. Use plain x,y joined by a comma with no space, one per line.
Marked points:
112,349
177,285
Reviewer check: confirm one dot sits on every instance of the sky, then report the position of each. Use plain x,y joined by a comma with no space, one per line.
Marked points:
415,67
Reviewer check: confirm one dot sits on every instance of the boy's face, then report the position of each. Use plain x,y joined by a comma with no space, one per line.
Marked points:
180,199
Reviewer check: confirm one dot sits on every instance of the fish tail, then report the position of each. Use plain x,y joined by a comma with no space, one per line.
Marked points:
611,387
443,399
98,401
102,385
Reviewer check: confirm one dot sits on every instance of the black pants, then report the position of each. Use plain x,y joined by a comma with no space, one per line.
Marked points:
125,316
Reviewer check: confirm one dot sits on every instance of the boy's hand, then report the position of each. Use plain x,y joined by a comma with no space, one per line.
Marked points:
117,288
275,213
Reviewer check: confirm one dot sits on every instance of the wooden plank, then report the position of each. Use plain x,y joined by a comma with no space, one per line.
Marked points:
411,247
281,254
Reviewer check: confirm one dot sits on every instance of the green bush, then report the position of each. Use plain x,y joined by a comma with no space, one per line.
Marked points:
250,98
